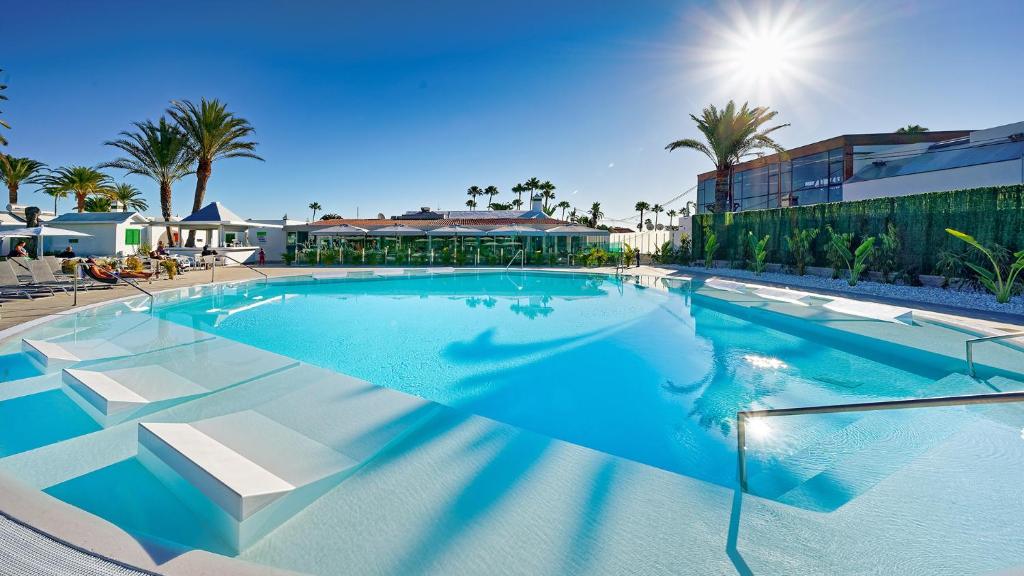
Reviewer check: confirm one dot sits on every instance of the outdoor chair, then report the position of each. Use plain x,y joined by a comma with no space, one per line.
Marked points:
11,285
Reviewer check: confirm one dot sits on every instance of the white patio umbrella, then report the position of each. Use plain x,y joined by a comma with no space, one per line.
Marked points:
340,230
41,232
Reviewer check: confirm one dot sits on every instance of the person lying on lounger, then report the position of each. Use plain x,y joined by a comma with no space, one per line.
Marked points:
105,273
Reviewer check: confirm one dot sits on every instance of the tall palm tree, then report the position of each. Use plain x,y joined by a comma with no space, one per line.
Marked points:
595,214
56,193
159,151
518,190
97,204
731,134
17,171
314,206
471,204
129,198
213,133
3,141
641,207
473,192
532,185
490,192
672,218
82,181
912,129
657,209
564,205
547,191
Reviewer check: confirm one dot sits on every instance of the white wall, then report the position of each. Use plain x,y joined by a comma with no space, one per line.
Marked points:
105,239
979,176
647,241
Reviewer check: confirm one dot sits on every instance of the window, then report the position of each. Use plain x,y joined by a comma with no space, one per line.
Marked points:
133,237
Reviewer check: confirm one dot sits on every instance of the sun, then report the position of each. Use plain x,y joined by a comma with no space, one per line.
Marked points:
763,55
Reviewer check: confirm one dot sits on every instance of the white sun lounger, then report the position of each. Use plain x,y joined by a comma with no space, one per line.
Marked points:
872,310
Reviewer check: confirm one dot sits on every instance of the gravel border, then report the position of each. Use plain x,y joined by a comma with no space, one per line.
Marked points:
915,296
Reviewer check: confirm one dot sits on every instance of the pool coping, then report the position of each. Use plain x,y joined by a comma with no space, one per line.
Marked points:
86,533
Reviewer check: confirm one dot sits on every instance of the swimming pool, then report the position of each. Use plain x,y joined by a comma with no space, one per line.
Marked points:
629,369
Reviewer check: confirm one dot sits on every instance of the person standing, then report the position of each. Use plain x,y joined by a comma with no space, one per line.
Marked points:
262,257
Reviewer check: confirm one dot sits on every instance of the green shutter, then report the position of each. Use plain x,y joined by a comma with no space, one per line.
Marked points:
133,237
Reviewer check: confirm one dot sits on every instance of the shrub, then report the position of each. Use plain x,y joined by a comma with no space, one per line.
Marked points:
664,254
887,253
998,283
758,252
710,247
836,249
628,254
799,243
133,263
288,258
171,267
684,252
857,262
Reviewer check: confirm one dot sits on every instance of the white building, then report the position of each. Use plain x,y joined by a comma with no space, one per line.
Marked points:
110,233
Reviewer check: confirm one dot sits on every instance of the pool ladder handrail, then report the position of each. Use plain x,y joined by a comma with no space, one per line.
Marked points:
522,259
226,257
969,347
934,402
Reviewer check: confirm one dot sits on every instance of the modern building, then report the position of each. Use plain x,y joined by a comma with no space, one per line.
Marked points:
809,174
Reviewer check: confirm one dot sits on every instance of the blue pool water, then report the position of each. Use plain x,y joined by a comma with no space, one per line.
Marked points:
640,373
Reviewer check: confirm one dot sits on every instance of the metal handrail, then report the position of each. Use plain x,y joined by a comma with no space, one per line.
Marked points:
938,401
969,347
522,259
226,257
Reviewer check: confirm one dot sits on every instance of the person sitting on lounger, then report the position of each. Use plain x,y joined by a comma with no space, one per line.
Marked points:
18,250
161,249
207,251
67,253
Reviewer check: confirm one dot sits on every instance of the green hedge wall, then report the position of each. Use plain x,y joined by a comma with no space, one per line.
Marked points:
992,215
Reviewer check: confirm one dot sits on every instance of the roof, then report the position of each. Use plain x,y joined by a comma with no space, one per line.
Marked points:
431,224
214,212
942,156
97,218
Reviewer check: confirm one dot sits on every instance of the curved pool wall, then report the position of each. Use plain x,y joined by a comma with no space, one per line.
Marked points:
628,369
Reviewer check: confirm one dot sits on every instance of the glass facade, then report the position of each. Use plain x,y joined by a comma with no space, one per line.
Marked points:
799,181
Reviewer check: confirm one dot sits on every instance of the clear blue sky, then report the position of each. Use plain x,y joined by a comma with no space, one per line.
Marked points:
389,106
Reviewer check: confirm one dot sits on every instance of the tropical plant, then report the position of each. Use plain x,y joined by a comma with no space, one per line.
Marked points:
856,262
1000,282
836,249
159,151
213,133
532,185
314,206
950,264
3,123
657,209
97,204
330,216
490,192
547,192
887,253
685,251
82,181
664,254
641,207
129,198
473,192
288,258
471,204
518,190
17,171
564,205
672,219
912,129
758,252
133,263
730,135
501,206
170,266
710,246
595,213
799,243
595,256
55,193
628,253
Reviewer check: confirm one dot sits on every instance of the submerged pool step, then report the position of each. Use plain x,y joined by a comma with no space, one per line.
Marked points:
101,391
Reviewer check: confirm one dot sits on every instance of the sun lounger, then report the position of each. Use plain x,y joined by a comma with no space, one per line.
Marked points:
726,285
871,310
11,285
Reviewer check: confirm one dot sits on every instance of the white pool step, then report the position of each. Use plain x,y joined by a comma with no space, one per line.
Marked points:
871,310
726,285
52,356
784,295
103,392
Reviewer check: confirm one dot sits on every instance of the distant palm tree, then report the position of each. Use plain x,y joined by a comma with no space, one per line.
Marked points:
657,209
912,129
159,151
518,190
490,192
595,214
82,181
572,215
17,171
471,204
641,207
3,141
330,216
672,218
532,185
314,206
213,133
547,191
730,135
564,205
97,204
128,197
501,205
474,192
56,193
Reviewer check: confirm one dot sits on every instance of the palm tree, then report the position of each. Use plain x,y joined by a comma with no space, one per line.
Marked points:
129,197
564,205
473,192
314,206
56,193
82,181
547,191
518,190
490,192
641,207
912,129
471,204
595,214
532,185
3,141
17,171
672,218
159,151
97,204
657,209
729,136
213,133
